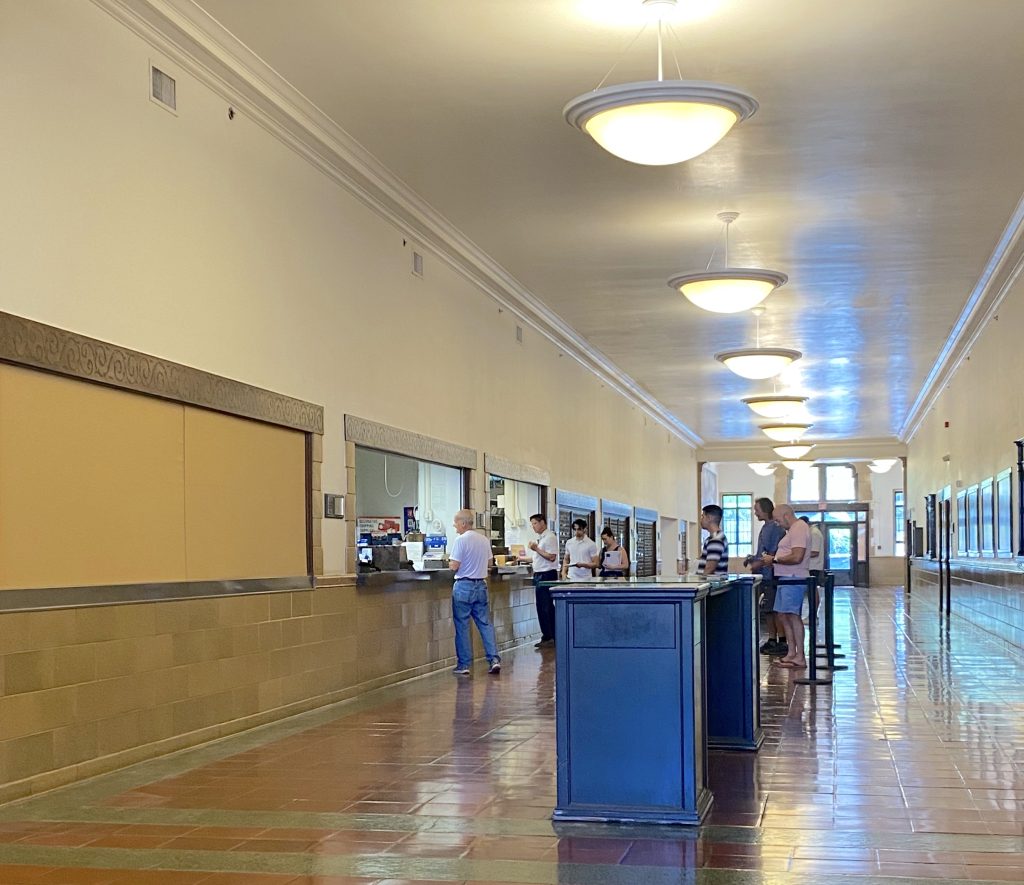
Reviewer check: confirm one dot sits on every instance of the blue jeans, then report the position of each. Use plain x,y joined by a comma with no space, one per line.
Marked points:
469,599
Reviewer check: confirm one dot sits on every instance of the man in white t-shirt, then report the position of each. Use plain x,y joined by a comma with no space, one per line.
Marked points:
470,558
817,561
580,553
545,570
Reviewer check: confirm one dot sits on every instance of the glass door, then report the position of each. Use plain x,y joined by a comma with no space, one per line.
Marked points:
841,551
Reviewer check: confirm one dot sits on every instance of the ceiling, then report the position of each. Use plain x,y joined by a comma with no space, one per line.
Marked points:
879,173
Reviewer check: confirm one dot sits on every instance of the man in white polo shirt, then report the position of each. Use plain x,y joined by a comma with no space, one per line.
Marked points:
545,570
580,553
470,558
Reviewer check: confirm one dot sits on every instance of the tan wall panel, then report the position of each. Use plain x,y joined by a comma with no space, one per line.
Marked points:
245,499
91,484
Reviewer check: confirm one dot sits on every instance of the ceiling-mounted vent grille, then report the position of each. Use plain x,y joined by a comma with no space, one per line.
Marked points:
163,88
417,264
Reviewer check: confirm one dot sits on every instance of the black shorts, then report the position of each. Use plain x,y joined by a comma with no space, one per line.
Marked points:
768,589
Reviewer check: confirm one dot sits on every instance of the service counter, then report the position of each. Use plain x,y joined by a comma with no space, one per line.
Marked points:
650,672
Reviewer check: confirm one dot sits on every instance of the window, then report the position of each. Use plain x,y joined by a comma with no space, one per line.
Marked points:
986,519
396,494
840,483
972,521
1004,531
961,523
805,485
738,523
899,524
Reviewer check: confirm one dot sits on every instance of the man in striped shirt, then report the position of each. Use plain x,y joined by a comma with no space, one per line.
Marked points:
714,555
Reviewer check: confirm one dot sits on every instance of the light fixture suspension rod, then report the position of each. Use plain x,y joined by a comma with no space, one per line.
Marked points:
661,69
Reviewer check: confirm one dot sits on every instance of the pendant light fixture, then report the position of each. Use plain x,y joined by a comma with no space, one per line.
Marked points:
731,289
882,465
758,363
797,465
785,432
774,405
792,451
659,122
762,468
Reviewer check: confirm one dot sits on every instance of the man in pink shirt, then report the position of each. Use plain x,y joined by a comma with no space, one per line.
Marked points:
791,560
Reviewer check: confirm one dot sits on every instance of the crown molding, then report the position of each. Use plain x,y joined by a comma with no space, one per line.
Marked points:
1001,271
196,42
862,449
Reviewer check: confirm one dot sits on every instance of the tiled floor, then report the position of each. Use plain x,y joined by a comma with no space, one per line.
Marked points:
911,765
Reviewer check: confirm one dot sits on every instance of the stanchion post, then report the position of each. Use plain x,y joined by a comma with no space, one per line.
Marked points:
830,628
812,652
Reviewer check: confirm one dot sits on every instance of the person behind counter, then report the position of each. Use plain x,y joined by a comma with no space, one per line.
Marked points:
580,553
614,560
545,570
470,558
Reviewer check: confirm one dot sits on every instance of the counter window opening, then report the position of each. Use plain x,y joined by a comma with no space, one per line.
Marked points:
405,510
511,503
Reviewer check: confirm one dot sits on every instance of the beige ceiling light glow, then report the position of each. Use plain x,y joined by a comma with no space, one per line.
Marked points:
774,405
882,465
659,122
762,468
758,363
785,432
732,289
793,451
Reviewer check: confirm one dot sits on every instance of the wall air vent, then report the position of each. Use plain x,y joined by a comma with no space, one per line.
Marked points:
519,334
163,88
417,264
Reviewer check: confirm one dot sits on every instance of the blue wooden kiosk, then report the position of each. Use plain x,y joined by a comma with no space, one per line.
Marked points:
733,667
631,704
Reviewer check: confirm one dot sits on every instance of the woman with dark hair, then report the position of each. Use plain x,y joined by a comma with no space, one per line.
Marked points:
614,558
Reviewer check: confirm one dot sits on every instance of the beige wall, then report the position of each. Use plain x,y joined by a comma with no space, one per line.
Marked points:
983,404
213,244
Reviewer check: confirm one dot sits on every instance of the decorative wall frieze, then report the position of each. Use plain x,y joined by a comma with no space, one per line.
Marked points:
503,467
35,345
386,438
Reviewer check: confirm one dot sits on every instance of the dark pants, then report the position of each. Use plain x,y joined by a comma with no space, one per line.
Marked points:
545,604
